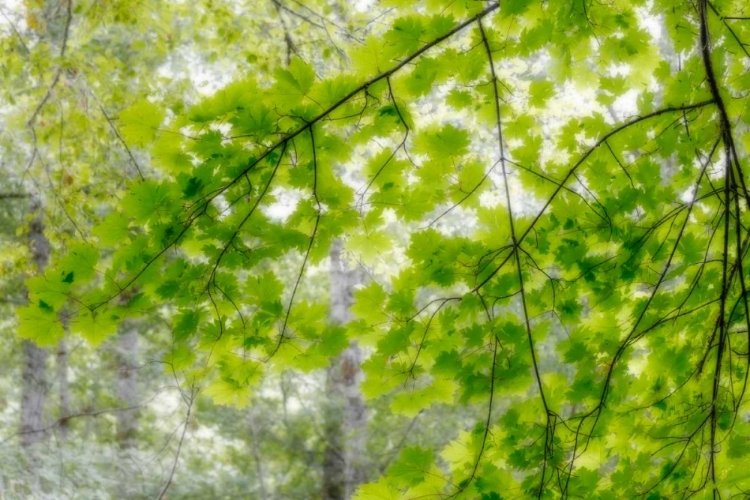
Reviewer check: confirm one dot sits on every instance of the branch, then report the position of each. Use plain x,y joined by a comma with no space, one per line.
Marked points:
743,46
14,196
307,253
190,401
726,126
632,335
13,27
723,322
117,134
58,73
362,87
290,46
580,161
549,429
92,413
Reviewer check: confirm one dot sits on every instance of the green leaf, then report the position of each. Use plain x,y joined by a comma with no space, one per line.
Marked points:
40,324
540,91
186,324
229,393
148,200
410,403
406,35
377,491
369,246
79,263
295,81
368,302
421,79
444,142
140,122
95,326
113,230
411,467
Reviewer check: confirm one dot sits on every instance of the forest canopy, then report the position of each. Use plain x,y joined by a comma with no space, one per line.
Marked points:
378,250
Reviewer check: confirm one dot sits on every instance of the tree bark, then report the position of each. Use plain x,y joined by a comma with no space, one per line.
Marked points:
344,466
34,366
126,391
127,385
63,385
34,371
257,457
33,391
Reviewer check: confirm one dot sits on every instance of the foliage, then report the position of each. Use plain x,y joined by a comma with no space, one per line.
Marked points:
551,199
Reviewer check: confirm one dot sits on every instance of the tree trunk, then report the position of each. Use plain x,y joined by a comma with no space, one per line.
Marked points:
33,390
127,385
355,419
34,371
346,414
126,391
63,385
257,457
34,366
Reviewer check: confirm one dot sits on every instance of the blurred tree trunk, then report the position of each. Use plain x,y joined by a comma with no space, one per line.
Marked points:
34,371
63,384
33,390
346,413
127,385
126,391
257,457
57,16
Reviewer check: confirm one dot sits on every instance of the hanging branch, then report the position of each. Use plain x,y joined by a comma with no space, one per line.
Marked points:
549,430
58,72
188,413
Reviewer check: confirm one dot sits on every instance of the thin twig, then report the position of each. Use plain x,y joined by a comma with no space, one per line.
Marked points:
190,401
